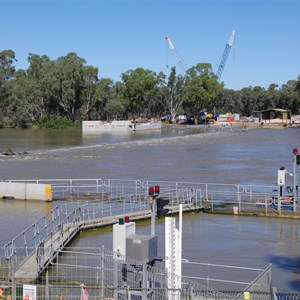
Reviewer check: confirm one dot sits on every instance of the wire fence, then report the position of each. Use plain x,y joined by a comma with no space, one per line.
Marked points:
108,275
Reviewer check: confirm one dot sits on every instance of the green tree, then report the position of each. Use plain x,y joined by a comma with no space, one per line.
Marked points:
37,65
248,101
114,108
88,96
227,100
174,91
104,93
201,88
7,69
289,97
140,90
272,96
66,81
25,100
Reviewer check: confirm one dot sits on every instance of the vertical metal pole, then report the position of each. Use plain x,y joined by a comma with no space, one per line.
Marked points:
144,282
12,274
179,253
47,286
153,209
102,261
115,276
279,198
294,182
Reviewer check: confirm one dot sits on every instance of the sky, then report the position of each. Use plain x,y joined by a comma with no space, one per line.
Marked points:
121,35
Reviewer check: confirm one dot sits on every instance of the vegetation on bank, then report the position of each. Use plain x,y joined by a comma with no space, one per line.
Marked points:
61,93
59,123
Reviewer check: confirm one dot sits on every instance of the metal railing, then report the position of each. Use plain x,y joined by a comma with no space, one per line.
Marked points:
215,194
64,189
113,197
110,275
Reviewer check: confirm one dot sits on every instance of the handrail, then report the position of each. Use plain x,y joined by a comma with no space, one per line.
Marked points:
115,196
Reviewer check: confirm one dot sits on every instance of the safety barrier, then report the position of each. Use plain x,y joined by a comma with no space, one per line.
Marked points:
98,188
125,278
25,190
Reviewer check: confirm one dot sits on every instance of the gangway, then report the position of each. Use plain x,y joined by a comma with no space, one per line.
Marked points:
38,247
30,253
33,249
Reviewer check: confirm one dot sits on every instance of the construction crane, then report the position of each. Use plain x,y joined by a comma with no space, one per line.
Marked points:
177,55
225,55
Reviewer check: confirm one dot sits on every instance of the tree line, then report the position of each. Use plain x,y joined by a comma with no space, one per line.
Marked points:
67,89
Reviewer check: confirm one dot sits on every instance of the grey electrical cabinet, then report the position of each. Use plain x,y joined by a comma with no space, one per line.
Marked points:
142,248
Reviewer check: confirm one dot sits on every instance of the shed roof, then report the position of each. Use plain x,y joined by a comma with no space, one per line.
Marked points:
266,114
275,109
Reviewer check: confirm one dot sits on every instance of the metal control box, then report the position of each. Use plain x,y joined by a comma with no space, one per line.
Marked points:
142,248
120,233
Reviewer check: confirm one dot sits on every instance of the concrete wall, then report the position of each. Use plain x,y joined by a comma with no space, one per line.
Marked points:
26,191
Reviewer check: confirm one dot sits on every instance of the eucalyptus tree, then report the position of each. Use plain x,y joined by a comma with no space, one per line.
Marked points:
289,97
272,96
174,91
37,65
297,87
158,104
140,91
24,99
113,104
88,95
7,68
259,97
248,101
7,71
104,93
201,88
115,109
70,75
254,99
37,73
226,101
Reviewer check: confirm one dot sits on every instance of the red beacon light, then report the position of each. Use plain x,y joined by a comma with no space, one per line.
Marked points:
295,151
126,218
156,189
151,191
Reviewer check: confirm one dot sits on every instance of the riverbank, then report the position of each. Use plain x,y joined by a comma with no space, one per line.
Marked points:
238,124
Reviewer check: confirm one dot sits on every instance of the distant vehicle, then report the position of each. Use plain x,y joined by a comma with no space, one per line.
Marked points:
249,119
167,119
179,119
182,119
204,117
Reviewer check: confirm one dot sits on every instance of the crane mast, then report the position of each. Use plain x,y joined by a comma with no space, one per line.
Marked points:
225,55
177,55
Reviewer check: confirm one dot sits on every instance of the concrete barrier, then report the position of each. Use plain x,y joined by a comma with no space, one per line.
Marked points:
25,191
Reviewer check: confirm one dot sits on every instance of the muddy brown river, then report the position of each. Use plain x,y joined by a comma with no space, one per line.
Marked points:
219,155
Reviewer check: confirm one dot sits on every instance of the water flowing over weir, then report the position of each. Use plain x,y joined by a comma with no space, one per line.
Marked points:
222,157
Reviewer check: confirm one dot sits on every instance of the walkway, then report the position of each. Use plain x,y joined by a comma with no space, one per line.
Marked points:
35,248
39,257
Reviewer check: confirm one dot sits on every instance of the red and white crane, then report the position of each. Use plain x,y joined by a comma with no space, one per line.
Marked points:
177,55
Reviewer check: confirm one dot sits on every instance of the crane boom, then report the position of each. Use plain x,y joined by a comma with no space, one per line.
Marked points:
177,55
225,55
